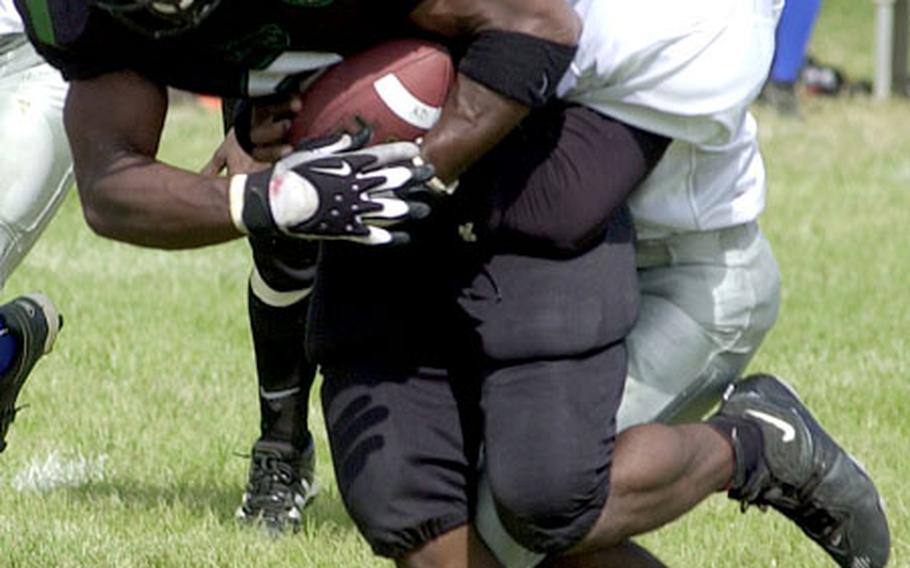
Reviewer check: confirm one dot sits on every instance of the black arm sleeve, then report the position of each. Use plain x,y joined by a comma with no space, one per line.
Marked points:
555,182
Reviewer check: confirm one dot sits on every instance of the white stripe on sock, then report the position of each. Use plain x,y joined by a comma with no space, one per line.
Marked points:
273,297
275,395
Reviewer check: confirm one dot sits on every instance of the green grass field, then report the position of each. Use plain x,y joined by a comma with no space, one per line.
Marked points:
128,453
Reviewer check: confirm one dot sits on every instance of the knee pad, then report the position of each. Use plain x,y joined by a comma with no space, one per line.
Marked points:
550,510
548,457
489,526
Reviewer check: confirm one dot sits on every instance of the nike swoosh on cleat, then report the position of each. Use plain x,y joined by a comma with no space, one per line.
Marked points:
344,170
788,431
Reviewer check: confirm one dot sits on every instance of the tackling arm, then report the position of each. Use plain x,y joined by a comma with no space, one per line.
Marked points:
476,117
114,125
334,189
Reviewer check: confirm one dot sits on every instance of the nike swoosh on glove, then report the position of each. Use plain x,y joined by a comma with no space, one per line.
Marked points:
334,188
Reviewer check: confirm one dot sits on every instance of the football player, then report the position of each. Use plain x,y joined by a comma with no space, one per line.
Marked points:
36,167
709,283
545,300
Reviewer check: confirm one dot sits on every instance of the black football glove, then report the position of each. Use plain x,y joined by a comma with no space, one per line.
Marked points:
334,188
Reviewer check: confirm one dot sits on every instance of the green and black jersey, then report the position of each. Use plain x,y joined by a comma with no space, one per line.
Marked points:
244,48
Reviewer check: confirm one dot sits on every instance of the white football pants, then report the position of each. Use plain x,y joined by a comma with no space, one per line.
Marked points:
708,299
35,163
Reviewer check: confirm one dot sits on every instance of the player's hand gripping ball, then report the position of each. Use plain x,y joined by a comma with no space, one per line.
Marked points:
333,188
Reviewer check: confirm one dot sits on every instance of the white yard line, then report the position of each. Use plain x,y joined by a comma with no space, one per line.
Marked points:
58,470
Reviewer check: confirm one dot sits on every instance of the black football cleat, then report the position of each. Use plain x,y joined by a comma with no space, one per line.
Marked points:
34,321
280,486
806,476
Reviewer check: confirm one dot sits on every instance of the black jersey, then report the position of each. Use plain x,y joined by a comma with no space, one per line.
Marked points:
244,48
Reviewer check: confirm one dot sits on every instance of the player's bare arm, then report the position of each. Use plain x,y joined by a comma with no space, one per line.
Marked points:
114,124
475,116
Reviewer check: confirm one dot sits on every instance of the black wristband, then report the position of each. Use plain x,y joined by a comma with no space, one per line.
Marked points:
519,66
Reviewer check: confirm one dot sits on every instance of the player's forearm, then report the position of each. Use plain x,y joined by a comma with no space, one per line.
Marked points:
474,120
483,108
151,204
114,124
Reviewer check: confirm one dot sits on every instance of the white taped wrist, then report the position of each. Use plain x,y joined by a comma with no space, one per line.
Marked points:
439,186
236,194
435,183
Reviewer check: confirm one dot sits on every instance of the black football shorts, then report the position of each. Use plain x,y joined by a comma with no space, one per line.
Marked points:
500,331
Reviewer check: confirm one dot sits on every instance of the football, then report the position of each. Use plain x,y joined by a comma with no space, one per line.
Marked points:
397,88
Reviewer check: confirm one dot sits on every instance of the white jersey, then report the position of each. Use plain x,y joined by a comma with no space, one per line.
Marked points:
686,70
10,22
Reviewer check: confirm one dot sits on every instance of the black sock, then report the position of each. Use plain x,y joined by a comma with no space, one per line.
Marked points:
285,374
746,440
